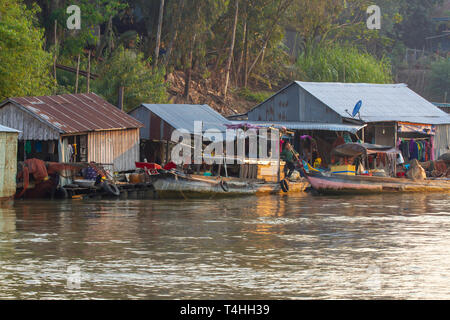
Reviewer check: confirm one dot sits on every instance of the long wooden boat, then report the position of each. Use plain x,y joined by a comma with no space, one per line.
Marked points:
169,184
344,184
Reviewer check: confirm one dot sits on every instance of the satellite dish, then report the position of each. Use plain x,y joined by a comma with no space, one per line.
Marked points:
357,108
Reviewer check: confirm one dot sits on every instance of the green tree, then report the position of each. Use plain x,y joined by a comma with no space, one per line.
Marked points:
439,80
129,69
24,64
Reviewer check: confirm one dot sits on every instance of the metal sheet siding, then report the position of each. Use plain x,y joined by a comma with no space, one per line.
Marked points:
142,115
316,111
442,140
8,164
293,103
29,126
283,106
117,147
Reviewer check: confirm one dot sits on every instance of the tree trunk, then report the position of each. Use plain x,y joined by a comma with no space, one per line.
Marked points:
175,33
188,71
281,9
158,35
56,48
245,78
230,55
241,58
246,59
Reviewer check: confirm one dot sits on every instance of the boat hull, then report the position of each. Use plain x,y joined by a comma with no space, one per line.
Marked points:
171,185
341,184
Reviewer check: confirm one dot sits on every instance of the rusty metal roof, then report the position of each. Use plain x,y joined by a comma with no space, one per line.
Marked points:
72,113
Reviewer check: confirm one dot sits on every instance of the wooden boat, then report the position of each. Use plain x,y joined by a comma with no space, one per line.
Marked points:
171,184
344,184
174,184
329,183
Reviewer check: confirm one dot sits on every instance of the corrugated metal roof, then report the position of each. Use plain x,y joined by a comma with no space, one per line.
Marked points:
306,125
381,102
182,116
442,105
71,113
7,129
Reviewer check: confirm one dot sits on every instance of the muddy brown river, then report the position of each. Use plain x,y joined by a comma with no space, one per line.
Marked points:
272,247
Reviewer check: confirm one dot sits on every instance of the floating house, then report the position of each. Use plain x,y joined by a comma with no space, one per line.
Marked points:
73,128
393,113
8,162
160,120
443,106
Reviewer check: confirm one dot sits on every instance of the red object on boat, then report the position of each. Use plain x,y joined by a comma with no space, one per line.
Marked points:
170,166
146,165
400,174
150,168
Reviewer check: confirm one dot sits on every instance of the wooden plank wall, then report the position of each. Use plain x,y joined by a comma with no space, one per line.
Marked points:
31,128
8,164
118,147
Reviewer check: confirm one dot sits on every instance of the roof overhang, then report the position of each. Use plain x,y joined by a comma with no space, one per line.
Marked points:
32,114
338,127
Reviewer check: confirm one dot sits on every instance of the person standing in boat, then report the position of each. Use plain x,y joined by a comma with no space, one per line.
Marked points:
289,155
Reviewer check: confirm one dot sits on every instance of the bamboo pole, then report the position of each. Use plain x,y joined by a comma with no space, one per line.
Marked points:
78,73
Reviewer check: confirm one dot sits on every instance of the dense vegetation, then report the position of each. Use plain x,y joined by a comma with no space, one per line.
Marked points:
245,48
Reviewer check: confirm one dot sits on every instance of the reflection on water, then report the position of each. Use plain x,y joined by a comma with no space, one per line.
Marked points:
274,247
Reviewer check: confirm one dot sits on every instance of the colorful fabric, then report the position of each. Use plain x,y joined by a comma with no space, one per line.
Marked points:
38,146
27,147
288,155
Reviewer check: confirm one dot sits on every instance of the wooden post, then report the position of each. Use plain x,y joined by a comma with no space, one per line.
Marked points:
395,146
120,98
89,72
167,152
279,159
78,74
225,166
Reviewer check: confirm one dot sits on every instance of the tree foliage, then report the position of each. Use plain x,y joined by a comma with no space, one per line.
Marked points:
24,64
197,38
129,69
439,80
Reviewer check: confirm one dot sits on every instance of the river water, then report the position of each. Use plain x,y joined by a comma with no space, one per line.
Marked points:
272,247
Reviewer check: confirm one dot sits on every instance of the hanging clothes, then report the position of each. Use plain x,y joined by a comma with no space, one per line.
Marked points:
27,147
70,152
413,150
38,146
51,147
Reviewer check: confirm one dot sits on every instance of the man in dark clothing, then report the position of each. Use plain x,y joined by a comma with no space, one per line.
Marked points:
289,156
